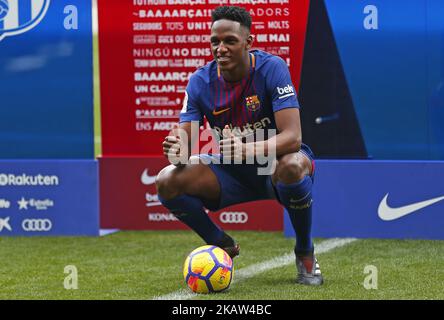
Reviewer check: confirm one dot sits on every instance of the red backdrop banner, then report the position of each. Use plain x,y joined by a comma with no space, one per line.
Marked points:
128,201
149,49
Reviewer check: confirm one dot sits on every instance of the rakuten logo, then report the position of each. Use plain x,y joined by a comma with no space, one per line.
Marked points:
159,217
25,180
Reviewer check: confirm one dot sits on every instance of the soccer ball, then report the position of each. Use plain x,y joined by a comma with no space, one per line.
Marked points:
208,269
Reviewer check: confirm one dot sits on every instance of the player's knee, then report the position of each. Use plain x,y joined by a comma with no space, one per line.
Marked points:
166,183
290,170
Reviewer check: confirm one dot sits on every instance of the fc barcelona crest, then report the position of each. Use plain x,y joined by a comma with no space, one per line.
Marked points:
19,16
253,103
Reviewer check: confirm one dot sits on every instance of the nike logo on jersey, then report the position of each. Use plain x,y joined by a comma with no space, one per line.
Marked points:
216,113
386,213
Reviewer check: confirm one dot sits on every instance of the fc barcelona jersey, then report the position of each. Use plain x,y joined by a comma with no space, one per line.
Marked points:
246,105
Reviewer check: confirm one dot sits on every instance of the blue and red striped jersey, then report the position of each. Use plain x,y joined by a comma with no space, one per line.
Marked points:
244,106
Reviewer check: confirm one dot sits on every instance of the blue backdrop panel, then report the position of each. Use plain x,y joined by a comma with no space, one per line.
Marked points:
46,77
49,197
435,76
349,199
373,79
386,76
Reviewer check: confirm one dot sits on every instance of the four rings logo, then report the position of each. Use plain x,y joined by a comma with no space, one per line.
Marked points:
233,217
16,20
37,225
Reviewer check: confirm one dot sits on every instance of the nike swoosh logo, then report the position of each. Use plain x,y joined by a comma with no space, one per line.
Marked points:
147,179
386,213
216,113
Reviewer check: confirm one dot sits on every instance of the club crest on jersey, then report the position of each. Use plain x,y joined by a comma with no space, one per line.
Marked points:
253,103
19,16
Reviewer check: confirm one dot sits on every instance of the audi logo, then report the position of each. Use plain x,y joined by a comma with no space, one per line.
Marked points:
233,217
36,224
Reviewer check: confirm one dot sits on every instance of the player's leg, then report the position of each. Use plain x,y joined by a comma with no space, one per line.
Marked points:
294,184
185,191
293,180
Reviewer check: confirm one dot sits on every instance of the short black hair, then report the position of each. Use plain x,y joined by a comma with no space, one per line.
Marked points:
232,13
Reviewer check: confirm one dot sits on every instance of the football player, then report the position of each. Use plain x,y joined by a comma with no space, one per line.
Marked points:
239,93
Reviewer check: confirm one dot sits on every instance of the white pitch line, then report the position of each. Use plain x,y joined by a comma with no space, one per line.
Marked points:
255,269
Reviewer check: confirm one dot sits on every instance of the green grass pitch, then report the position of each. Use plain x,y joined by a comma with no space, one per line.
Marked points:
148,264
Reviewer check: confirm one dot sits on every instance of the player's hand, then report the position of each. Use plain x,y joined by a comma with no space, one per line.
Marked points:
172,150
231,147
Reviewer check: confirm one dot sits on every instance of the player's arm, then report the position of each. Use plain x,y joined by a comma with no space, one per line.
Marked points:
177,145
288,138
286,111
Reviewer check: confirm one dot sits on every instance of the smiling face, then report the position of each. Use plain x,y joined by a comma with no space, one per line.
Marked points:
230,43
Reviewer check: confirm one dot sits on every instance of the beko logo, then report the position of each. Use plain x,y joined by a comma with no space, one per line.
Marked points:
233,217
285,92
37,225
152,200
